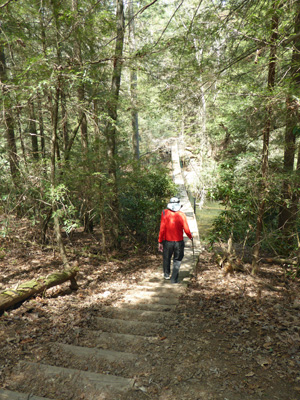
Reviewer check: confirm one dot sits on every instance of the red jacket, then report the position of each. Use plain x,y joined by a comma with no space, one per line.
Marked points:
172,226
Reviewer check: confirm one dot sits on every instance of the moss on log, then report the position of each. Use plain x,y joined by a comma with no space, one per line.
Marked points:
10,297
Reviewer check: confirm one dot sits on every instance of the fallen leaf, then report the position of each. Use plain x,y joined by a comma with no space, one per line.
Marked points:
29,340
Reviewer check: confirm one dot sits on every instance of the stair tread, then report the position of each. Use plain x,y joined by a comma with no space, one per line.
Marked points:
110,355
128,326
125,313
75,378
10,395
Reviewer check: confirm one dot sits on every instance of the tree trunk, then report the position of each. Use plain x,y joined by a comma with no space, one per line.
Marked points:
81,88
64,116
133,86
53,178
8,118
41,127
33,131
11,297
87,219
60,80
110,129
266,140
288,214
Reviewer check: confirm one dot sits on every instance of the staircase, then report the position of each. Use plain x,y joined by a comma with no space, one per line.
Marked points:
111,358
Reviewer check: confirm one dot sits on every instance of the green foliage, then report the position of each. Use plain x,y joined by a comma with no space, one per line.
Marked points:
238,197
202,71
240,192
144,192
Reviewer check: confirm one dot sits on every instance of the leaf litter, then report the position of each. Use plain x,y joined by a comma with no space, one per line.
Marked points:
231,337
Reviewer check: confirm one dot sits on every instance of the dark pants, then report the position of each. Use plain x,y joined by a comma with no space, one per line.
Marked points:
170,249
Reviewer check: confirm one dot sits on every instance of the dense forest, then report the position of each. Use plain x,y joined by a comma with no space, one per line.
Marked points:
92,91
94,95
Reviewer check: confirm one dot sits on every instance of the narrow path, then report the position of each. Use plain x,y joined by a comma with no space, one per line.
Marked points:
123,343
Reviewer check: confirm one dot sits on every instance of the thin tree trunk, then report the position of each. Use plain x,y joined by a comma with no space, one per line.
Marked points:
288,215
41,127
87,220
33,131
110,129
266,140
53,179
61,84
54,145
11,143
64,116
8,118
133,86
81,88
40,108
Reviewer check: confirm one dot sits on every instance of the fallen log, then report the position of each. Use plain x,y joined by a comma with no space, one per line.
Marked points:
276,260
11,297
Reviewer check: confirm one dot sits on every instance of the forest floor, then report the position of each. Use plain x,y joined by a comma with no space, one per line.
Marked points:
233,337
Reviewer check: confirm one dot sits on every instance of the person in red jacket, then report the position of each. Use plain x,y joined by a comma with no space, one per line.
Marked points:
170,240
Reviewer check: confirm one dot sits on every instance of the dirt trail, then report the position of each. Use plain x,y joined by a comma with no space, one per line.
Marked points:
105,354
139,337
127,334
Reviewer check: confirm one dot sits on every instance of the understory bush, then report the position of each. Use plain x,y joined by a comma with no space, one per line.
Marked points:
144,193
239,190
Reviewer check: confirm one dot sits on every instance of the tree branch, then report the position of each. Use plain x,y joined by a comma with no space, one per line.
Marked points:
5,4
145,7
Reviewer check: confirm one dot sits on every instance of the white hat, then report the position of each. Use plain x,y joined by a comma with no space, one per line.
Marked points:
174,204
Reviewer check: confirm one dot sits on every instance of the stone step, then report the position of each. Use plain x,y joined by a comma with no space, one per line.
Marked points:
156,280
162,291
137,305
100,354
142,297
67,383
118,341
9,395
122,312
128,327
93,359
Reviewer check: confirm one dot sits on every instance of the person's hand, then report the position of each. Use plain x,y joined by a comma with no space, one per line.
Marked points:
160,247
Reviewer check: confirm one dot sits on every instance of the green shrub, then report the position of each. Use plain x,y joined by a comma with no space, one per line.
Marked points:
144,193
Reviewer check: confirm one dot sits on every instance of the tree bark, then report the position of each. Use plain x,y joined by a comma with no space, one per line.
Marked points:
33,131
41,127
110,129
87,220
266,140
133,86
8,118
288,214
53,178
11,297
